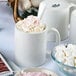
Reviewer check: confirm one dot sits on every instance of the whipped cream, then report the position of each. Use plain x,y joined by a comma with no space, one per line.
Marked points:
33,74
66,54
30,24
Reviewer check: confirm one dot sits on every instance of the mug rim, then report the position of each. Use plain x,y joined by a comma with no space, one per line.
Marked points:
32,33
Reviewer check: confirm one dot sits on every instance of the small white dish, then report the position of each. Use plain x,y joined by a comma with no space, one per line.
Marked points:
48,72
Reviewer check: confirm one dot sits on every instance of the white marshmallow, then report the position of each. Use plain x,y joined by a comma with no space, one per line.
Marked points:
66,55
30,24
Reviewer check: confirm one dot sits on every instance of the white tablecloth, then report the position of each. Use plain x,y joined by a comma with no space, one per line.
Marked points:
7,37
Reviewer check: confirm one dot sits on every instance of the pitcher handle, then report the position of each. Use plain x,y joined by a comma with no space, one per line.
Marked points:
72,8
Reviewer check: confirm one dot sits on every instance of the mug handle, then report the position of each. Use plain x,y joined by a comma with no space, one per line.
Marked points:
58,38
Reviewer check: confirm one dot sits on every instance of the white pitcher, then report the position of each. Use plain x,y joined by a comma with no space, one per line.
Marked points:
56,13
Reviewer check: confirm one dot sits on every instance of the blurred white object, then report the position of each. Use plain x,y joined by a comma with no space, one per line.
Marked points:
24,4
73,27
36,3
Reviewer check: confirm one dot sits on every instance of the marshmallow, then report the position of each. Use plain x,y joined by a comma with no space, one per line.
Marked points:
30,24
66,55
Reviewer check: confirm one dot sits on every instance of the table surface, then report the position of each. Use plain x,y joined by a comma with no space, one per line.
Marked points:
7,25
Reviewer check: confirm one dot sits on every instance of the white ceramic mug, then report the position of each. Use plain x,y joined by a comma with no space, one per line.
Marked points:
30,48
